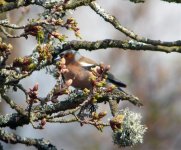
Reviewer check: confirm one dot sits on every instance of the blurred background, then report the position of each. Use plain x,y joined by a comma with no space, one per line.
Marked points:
154,77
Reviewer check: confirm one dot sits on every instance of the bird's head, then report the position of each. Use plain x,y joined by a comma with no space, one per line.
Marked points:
70,56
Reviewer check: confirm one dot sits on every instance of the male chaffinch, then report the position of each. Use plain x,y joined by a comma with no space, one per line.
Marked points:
79,71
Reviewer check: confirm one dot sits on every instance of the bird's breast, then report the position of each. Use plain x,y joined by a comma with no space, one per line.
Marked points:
80,77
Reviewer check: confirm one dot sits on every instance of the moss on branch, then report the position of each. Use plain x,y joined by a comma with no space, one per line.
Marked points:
15,139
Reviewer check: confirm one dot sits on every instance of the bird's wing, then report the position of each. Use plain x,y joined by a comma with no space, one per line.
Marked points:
114,80
87,63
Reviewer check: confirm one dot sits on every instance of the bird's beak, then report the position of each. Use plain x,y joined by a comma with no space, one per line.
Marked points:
58,58
61,55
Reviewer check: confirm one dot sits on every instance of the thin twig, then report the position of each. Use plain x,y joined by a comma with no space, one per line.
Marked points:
113,20
12,104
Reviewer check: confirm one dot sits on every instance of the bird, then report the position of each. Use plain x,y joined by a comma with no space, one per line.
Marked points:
80,71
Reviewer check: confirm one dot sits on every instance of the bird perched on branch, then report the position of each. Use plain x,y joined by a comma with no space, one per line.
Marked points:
79,70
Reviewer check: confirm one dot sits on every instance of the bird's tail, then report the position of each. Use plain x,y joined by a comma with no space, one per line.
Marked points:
115,81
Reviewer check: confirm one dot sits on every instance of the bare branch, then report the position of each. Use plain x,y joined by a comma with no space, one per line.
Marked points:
62,120
12,104
7,6
173,1
111,19
142,1
13,120
79,99
69,105
11,36
64,113
109,43
15,139
138,1
11,76
72,4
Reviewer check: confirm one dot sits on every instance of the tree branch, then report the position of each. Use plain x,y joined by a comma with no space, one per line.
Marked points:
13,120
173,1
112,20
72,4
109,43
12,104
14,139
39,112
7,6
9,77
137,1
142,1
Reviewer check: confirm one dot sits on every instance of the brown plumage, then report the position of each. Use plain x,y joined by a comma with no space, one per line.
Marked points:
79,66
78,70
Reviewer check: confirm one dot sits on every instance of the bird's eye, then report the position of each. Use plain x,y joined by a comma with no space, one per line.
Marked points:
66,55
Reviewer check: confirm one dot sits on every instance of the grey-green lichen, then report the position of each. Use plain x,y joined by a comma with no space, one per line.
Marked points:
131,131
